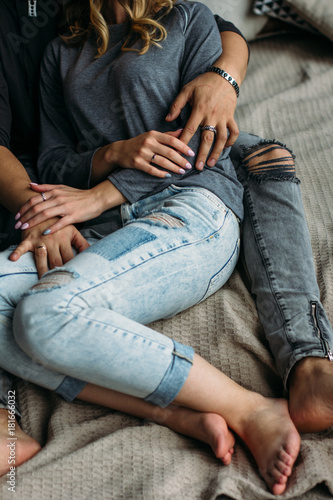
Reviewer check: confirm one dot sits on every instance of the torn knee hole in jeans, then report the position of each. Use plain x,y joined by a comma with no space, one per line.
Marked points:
165,219
270,161
52,280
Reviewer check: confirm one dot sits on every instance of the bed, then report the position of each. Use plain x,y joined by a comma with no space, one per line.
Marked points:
90,452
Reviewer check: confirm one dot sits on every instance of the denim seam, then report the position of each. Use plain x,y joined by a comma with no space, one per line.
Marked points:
277,296
179,355
18,273
157,390
175,190
208,194
236,248
211,235
98,322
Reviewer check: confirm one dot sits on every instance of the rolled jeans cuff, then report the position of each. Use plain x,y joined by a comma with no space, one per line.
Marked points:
70,388
174,377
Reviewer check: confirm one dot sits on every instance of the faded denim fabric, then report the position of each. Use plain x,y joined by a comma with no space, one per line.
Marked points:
85,319
277,253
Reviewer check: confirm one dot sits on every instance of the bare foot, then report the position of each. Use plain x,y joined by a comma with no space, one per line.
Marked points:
13,452
311,394
206,427
273,440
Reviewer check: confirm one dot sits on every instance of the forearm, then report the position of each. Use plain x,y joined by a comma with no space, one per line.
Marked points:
102,164
235,56
107,196
14,182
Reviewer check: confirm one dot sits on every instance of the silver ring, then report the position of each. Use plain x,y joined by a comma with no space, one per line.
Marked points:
209,127
153,158
42,246
43,196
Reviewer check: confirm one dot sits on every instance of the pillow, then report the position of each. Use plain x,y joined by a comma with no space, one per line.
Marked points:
280,10
240,13
317,12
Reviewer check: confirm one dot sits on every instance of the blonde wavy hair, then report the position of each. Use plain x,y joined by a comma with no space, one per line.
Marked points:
84,18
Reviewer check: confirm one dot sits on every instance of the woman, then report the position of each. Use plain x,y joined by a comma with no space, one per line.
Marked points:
101,298
19,141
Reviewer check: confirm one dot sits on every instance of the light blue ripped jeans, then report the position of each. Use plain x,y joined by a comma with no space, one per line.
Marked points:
85,319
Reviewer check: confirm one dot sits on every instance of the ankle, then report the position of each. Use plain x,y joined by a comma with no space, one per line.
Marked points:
306,367
246,412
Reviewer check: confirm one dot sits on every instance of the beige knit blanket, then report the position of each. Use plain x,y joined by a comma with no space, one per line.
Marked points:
93,453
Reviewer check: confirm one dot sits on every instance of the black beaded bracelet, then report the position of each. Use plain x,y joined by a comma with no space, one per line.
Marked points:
226,76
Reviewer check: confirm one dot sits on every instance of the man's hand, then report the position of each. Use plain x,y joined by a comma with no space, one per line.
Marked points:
50,251
213,102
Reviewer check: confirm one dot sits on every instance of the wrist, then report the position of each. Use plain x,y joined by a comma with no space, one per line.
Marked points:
110,155
104,161
232,69
22,195
224,74
107,196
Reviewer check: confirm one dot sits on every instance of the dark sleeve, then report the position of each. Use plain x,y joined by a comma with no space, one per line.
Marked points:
60,159
6,218
228,26
5,112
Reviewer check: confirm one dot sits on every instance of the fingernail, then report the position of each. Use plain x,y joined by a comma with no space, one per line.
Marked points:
200,165
190,152
17,216
181,171
33,183
18,225
211,163
46,232
188,166
168,117
25,226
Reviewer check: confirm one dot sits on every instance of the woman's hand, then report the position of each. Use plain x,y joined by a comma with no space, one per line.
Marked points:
50,251
70,204
147,152
214,101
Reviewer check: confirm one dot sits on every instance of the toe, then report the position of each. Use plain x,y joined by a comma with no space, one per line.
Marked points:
283,468
226,459
276,474
278,489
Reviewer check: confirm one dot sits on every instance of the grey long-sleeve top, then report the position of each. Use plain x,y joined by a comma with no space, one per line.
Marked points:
87,103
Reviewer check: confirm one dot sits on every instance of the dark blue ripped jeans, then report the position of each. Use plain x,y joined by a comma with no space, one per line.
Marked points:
277,254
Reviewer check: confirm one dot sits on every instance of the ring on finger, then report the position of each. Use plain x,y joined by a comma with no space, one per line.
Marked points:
42,246
153,158
43,196
210,128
